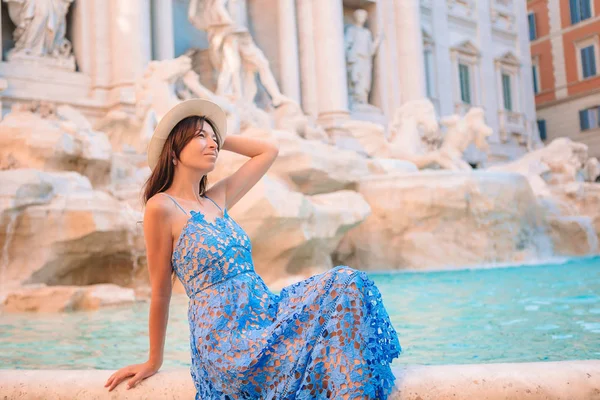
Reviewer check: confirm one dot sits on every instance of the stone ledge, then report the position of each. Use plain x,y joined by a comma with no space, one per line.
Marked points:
564,380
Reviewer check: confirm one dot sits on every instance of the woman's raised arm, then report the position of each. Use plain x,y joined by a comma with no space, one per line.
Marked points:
262,154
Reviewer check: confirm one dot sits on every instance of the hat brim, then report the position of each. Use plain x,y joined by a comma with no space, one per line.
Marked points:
187,108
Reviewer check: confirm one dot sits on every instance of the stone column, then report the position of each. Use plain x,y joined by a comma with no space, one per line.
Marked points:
444,68
332,85
488,73
130,40
386,82
163,41
525,84
411,66
101,57
289,67
81,31
306,50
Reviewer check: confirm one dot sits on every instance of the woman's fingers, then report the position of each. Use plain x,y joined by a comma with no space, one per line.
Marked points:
119,377
133,381
109,380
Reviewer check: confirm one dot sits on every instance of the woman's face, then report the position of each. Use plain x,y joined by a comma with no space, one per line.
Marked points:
201,152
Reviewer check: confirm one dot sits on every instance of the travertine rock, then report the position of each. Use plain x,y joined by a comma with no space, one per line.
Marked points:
42,298
62,141
580,200
294,234
307,166
55,229
442,219
559,162
573,235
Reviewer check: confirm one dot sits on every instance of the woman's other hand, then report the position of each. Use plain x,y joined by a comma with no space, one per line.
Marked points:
139,372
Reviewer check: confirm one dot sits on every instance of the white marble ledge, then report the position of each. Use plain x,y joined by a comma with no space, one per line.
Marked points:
565,380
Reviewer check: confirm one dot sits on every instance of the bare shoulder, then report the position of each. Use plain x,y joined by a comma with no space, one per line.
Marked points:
158,209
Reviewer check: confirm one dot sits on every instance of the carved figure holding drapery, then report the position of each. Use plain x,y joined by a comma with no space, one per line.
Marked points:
40,31
360,50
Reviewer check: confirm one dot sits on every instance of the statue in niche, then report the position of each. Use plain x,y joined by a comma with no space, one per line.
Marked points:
360,50
40,31
233,51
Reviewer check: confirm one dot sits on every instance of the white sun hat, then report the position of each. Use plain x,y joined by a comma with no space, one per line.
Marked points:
188,108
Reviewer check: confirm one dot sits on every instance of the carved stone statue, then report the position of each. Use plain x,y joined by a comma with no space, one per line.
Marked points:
40,31
360,49
414,133
561,161
415,136
162,85
233,51
462,131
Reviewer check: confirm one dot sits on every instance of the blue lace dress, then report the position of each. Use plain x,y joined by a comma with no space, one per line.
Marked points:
326,337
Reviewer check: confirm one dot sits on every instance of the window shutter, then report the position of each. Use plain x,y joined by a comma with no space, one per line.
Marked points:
583,120
465,85
588,61
506,92
592,60
585,9
574,5
592,114
542,129
534,71
532,27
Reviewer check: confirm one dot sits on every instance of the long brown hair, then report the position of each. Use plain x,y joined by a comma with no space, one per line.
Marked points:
161,177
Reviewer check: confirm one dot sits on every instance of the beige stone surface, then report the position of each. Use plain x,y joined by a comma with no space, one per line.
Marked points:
573,235
564,380
580,199
290,117
293,234
60,141
311,167
42,298
55,229
306,166
443,219
128,174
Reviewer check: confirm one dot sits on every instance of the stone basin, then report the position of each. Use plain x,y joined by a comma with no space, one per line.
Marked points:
563,380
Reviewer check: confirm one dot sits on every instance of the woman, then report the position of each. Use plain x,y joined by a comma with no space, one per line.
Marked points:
328,336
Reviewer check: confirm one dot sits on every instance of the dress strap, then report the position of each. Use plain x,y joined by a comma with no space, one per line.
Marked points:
176,203
213,202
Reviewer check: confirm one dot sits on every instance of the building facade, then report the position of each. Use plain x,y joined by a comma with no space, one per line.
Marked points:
477,54
458,53
565,50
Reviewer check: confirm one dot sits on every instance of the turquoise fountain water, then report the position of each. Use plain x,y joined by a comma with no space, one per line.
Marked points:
531,313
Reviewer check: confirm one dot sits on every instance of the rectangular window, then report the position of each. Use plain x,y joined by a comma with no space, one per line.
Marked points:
428,54
589,118
465,84
506,92
532,27
580,10
541,123
536,86
588,61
